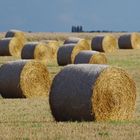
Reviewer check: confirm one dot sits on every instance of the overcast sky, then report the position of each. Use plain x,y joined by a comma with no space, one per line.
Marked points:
60,15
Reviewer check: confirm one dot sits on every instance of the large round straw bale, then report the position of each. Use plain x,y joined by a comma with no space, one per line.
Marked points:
129,41
36,50
91,57
66,53
106,43
92,92
16,33
24,79
10,46
53,44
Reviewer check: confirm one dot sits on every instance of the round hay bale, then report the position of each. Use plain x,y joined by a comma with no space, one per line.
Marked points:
36,50
66,53
53,44
91,57
106,43
71,40
18,34
92,92
24,79
75,40
10,46
129,41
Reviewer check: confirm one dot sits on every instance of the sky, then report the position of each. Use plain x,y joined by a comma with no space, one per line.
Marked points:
60,15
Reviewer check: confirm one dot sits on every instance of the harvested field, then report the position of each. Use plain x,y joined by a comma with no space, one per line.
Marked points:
32,119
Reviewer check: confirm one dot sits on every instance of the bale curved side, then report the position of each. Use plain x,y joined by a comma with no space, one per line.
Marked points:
10,46
106,43
64,54
129,41
28,50
91,57
23,79
86,92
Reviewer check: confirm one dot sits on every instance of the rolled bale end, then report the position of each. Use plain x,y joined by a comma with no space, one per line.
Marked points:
90,57
106,43
24,79
92,92
36,50
129,41
10,46
66,53
54,45
114,95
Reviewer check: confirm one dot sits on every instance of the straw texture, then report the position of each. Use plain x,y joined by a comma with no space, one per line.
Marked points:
53,44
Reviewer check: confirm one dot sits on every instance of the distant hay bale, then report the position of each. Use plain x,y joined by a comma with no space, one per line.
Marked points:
91,57
76,40
18,34
92,92
10,46
53,44
36,50
66,53
106,43
129,41
21,79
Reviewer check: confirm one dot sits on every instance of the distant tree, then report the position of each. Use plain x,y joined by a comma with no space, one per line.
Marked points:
80,29
73,28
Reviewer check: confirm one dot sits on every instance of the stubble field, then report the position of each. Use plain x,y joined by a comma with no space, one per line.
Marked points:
32,119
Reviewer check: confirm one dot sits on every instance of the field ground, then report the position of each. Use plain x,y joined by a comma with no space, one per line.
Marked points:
32,119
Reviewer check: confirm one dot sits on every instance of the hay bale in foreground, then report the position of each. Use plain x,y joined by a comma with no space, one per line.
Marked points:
24,79
92,92
129,41
10,46
53,44
66,53
91,57
106,43
36,50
